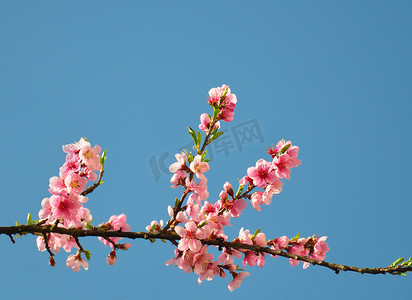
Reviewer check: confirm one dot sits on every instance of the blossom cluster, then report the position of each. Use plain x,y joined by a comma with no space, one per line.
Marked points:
198,219
64,208
194,220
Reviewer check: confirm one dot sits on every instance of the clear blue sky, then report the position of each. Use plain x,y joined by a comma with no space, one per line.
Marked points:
332,76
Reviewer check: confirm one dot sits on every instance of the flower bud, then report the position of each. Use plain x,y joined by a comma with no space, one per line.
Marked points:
228,188
111,258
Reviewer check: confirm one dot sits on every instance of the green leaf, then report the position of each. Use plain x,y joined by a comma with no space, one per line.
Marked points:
190,158
284,149
397,262
193,134
164,241
17,223
202,224
296,237
203,156
199,138
239,268
184,150
215,136
255,234
103,157
152,240
177,202
28,218
87,254
153,227
225,91
240,190
214,130
215,113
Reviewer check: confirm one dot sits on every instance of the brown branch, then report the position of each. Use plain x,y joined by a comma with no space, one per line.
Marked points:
95,185
173,238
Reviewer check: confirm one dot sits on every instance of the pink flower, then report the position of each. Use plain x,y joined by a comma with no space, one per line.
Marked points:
178,178
260,240
191,235
252,259
115,223
90,157
319,250
154,226
56,185
46,209
118,223
262,174
298,249
270,190
211,271
75,183
200,188
87,172
180,164
71,165
180,217
256,200
235,206
64,207
83,216
55,242
217,94
75,148
183,260
226,256
201,260
205,122
198,166
282,165
211,209
222,99
193,211
280,243
246,180
292,151
244,237
75,262
237,280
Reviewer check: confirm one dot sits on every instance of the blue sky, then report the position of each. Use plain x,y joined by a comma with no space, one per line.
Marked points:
333,77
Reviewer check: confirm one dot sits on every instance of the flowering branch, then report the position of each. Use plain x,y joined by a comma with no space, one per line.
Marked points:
172,237
194,224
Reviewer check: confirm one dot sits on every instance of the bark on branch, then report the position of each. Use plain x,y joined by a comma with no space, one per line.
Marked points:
36,229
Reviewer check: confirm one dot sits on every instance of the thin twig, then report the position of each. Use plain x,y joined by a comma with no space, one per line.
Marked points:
95,185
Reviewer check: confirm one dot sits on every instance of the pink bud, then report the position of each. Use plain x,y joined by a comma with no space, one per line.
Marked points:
228,188
124,246
52,262
111,258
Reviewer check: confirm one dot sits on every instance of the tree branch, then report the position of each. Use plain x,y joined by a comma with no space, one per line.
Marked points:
173,238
